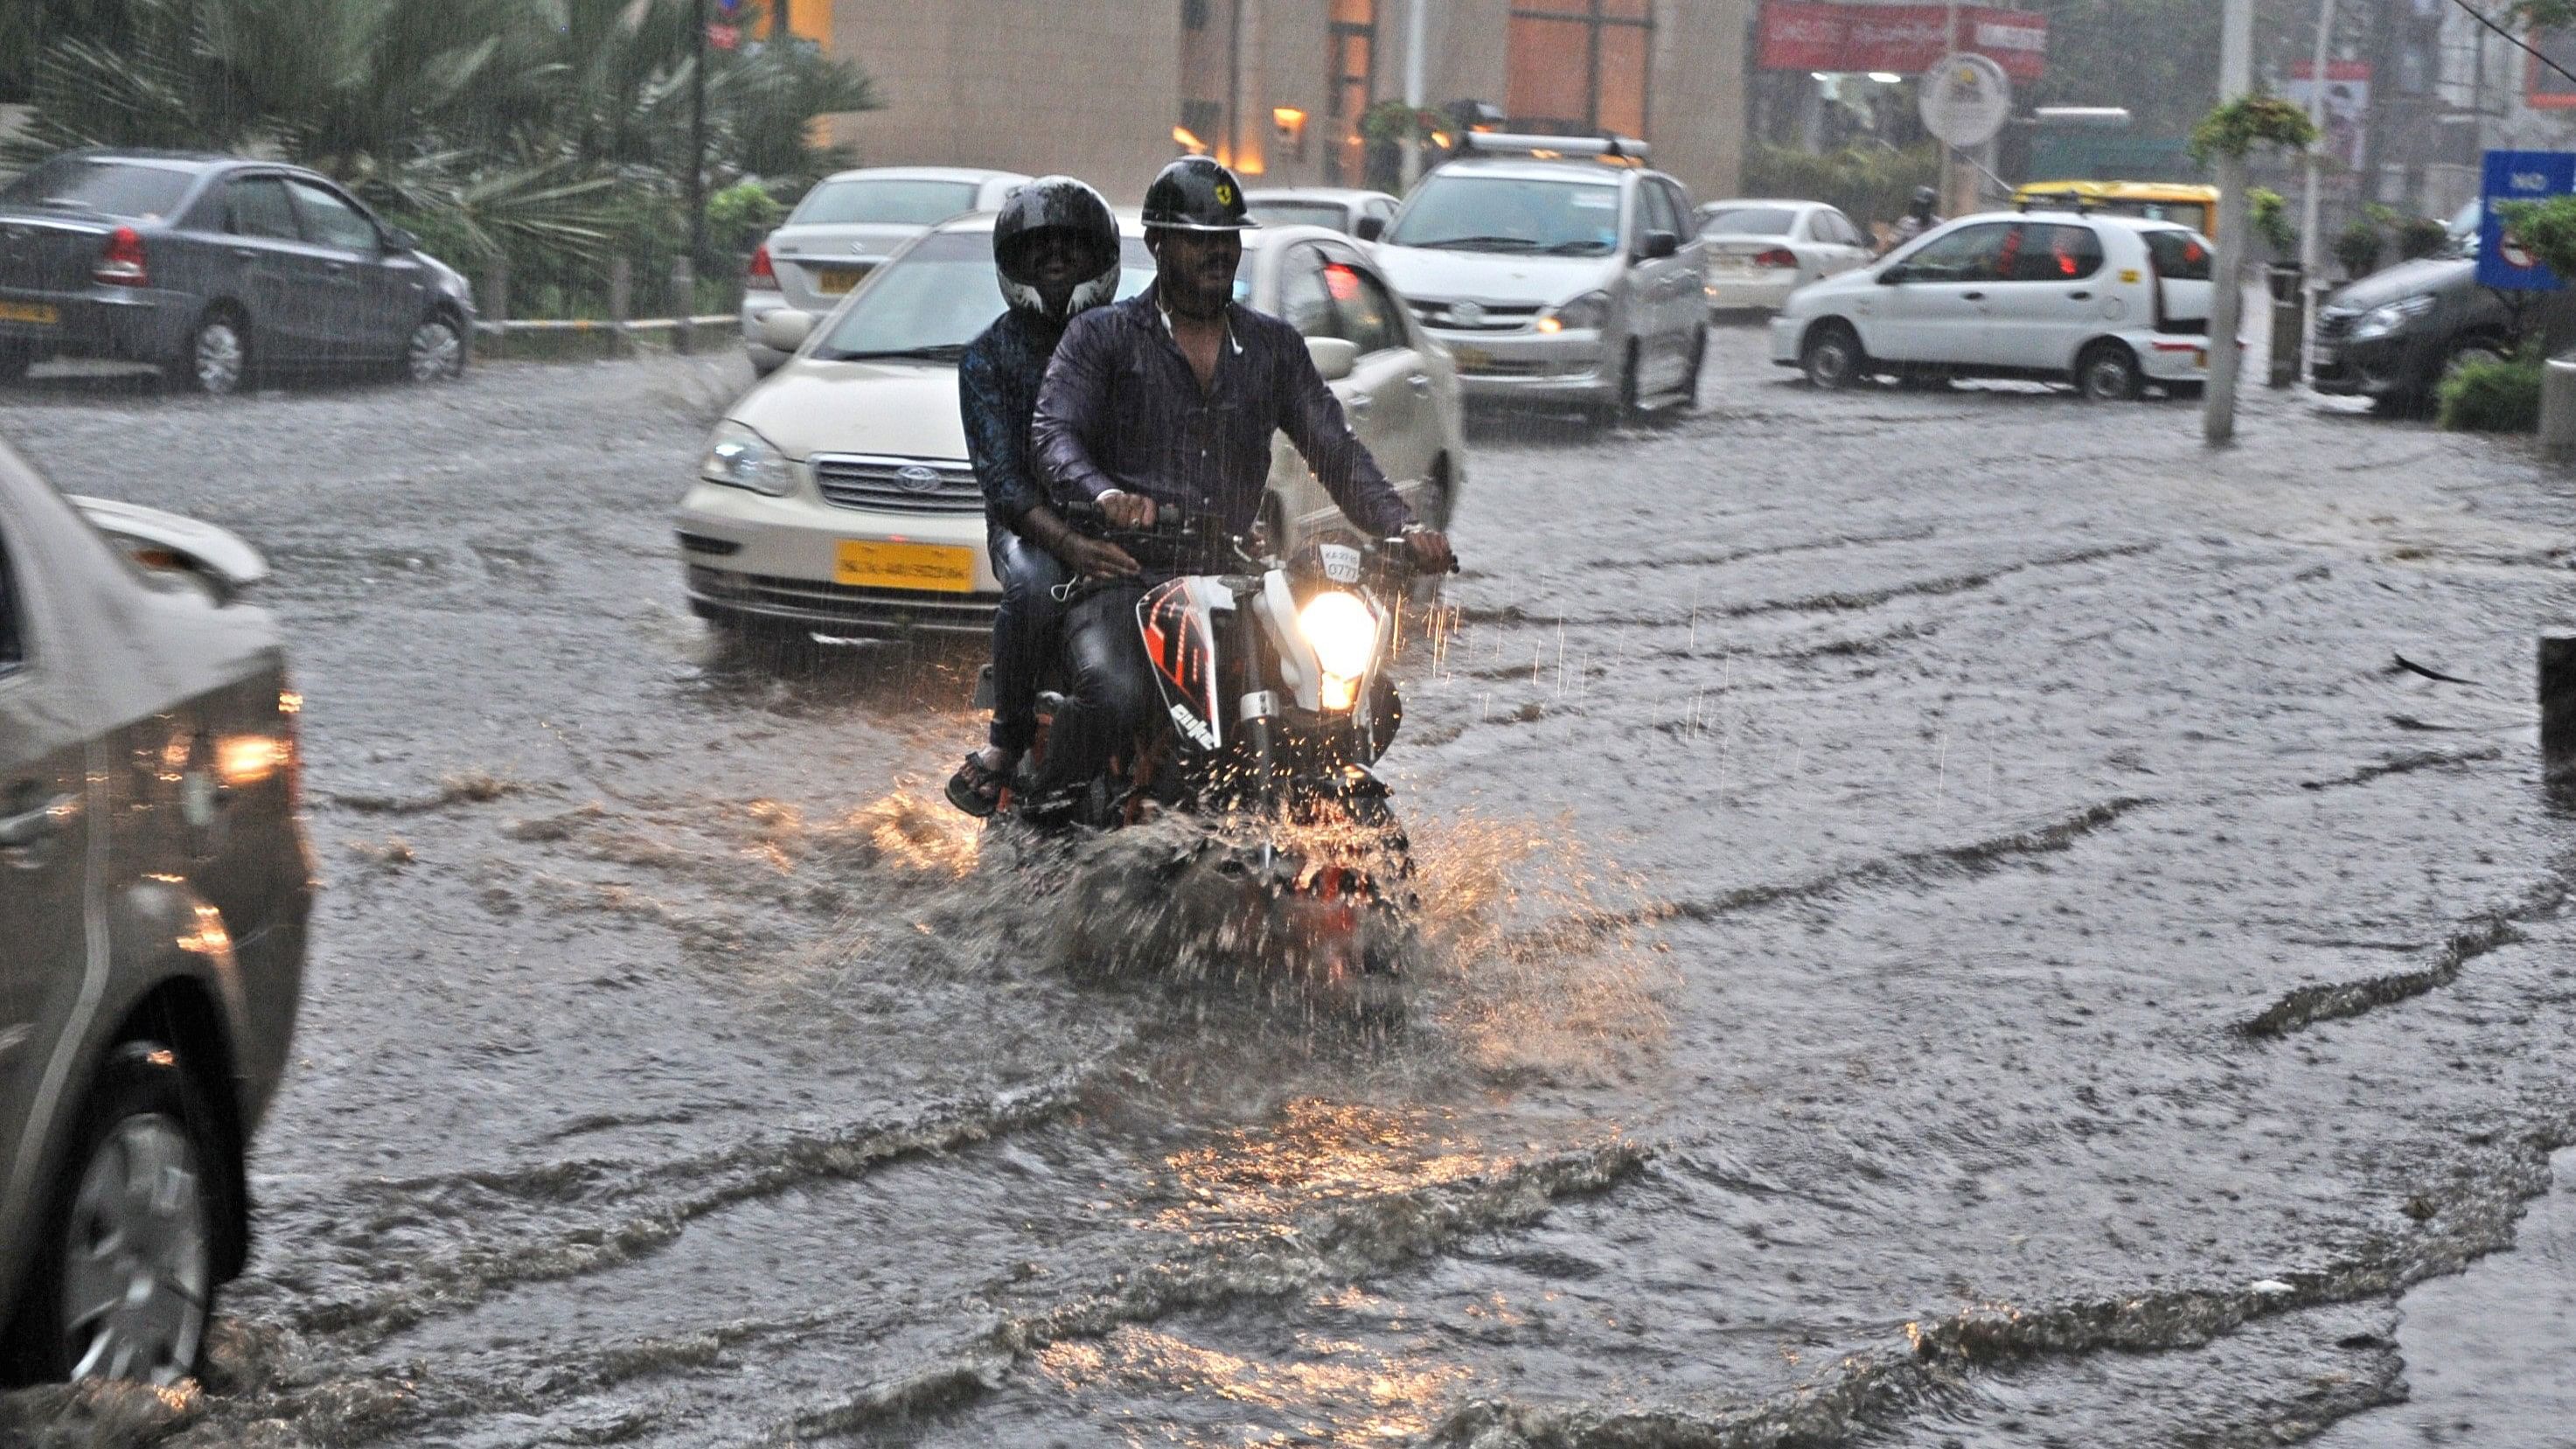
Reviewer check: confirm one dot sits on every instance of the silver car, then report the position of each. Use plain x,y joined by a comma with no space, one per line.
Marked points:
154,888
843,228
1356,213
1569,275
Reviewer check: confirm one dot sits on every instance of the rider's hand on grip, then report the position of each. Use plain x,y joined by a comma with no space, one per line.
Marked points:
1126,510
1091,558
1430,549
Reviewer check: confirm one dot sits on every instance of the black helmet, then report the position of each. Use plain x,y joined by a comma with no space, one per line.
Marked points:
1036,211
1196,194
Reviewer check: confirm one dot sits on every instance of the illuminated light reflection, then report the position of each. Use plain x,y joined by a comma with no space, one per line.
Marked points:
209,938
242,761
1342,1393
1318,1151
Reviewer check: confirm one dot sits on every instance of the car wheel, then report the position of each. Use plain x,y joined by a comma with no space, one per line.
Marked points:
1832,358
1699,359
436,352
123,1281
217,359
2108,372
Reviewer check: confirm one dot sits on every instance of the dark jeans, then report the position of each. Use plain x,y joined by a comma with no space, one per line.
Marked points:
1110,699
1024,634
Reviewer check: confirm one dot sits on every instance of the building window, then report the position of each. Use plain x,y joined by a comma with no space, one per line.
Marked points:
1351,47
1578,67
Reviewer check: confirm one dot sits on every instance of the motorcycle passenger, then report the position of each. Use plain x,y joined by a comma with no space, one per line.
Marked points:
1055,246
1171,397
1918,218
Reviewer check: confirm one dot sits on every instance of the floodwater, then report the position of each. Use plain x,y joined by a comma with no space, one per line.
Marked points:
1945,923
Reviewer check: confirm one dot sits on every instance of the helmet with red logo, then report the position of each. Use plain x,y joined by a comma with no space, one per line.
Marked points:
1195,193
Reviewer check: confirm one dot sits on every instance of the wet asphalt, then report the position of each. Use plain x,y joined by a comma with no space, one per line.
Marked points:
1949,925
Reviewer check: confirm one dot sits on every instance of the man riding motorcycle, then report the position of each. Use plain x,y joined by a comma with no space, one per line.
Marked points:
1055,247
1170,398
1918,219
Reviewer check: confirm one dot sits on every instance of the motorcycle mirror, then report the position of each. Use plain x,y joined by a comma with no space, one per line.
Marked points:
1335,357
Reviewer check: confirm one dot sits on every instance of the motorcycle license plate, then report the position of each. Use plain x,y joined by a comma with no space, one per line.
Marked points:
874,564
38,314
833,281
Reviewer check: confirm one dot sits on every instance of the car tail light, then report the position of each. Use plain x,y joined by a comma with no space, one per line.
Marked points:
121,263
760,276
1776,257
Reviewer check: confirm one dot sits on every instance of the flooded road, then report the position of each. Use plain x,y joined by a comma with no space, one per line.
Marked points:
1948,924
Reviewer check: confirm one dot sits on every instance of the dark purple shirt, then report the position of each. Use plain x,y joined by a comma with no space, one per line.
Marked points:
1121,409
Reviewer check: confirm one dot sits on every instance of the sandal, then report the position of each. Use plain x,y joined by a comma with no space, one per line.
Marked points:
977,788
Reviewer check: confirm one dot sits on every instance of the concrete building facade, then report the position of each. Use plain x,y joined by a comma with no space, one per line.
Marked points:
1111,89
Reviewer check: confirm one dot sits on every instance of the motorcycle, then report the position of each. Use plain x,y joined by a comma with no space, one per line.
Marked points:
1278,703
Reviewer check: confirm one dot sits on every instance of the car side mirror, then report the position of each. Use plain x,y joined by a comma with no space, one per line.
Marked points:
785,329
398,240
1659,245
1369,228
1335,357
1890,276
156,540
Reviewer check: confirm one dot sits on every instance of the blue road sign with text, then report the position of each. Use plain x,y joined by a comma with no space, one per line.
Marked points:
2518,176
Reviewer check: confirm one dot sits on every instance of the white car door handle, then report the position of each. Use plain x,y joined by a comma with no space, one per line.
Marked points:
1420,383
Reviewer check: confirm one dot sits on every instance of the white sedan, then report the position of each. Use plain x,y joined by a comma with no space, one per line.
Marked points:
2109,303
836,499
844,227
1761,251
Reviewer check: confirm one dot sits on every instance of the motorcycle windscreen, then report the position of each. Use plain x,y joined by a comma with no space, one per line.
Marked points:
1180,641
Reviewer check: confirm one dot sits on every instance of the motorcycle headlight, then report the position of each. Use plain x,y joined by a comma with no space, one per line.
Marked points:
1586,313
740,458
2381,321
1342,630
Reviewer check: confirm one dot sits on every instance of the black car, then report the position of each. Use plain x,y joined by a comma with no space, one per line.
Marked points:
2394,335
210,267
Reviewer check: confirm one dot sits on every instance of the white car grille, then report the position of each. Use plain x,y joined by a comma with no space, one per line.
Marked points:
897,485
1472,316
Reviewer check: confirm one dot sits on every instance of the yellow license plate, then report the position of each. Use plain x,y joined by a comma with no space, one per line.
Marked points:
1470,357
39,313
940,567
837,280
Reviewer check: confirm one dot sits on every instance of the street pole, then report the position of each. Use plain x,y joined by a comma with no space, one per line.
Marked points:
684,275
2312,262
1954,201
2227,298
1413,43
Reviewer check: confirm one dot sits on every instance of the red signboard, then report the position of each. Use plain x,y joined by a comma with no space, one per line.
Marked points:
1846,35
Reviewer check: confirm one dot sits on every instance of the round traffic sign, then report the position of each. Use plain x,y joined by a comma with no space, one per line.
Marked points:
1965,99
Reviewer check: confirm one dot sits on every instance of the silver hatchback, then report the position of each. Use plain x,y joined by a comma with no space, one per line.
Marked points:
154,888
843,228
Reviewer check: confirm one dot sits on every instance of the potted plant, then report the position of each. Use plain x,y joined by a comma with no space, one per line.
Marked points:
2357,249
2271,222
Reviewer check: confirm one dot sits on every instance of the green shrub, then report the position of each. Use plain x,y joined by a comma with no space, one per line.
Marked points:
2548,228
740,215
2271,219
2357,249
2493,397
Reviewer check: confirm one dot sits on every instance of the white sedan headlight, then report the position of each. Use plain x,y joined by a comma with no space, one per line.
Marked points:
1342,630
740,458
1587,313
2380,321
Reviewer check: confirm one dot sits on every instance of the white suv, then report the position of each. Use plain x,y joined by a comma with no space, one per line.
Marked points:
1566,274
2111,303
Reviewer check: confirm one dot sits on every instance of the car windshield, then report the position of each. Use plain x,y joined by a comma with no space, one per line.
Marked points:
1511,214
108,188
887,202
1749,220
1301,213
934,299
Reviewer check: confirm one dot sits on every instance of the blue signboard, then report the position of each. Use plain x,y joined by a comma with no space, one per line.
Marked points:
2518,176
